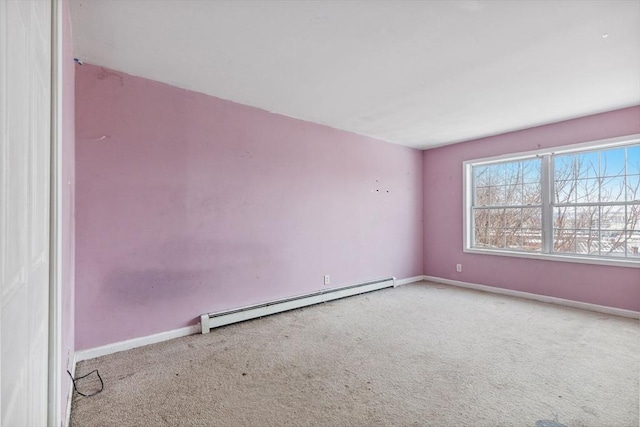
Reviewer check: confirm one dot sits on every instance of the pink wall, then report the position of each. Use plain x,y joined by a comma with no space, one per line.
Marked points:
68,192
189,204
604,285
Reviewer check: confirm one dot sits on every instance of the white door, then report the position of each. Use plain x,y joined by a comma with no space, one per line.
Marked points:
25,117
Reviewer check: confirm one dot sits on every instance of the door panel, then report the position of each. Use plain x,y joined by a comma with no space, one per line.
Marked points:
25,112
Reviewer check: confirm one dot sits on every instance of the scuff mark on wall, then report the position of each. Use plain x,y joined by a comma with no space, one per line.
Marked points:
105,73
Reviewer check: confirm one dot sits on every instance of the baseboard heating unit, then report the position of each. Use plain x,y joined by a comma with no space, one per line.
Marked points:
214,320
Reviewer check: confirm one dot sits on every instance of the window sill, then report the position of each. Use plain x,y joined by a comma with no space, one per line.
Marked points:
617,262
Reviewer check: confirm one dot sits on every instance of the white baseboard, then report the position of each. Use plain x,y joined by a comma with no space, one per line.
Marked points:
543,298
210,321
408,280
92,353
104,350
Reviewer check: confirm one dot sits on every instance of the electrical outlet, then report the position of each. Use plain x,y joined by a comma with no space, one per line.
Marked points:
327,279
459,268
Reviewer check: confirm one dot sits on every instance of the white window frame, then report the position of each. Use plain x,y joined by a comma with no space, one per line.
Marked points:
547,191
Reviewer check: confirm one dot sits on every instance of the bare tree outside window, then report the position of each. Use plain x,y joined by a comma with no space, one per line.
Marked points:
596,202
508,213
594,208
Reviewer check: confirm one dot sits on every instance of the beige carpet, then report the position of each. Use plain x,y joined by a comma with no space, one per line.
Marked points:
421,354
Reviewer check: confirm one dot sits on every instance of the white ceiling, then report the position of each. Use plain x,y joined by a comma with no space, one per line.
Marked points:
417,73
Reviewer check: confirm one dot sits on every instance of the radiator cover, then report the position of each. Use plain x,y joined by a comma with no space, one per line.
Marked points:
214,320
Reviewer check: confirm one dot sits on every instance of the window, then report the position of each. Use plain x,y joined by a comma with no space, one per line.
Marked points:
581,203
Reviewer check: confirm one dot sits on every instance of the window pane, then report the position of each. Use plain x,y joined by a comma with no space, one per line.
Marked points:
531,194
588,217
497,195
613,246
565,191
564,240
612,162
480,176
563,168
612,242
513,218
512,172
481,237
492,195
611,235
612,217
633,245
497,173
531,240
633,218
483,196
532,218
490,237
531,171
496,238
501,184
633,188
633,160
587,190
496,218
513,194
513,238
481,218
612,189
564,217
586,165
587,242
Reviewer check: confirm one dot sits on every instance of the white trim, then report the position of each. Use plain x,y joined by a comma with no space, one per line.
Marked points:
564,149
116,347
546,210
70,392
547,203
467,201
54,410
408,280
617,262
104,350
227,317
543,298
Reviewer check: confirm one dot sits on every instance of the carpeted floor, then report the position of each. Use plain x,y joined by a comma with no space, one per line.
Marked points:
418,355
